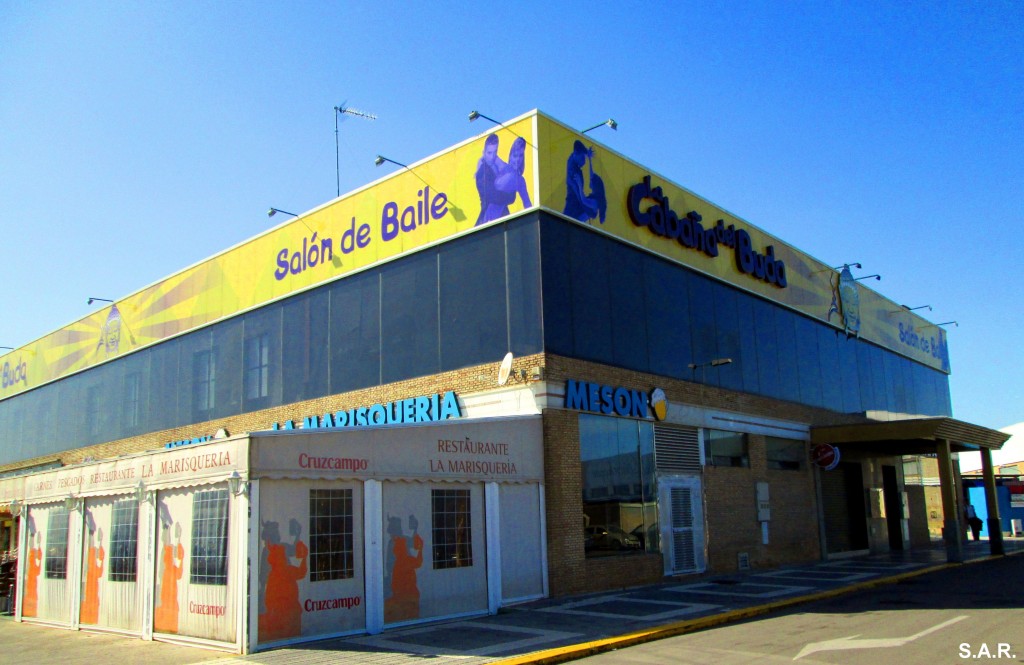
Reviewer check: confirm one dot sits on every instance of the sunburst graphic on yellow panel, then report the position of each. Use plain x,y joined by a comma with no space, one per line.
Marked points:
182,302
74,347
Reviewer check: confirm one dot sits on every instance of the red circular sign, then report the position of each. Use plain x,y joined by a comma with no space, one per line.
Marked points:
825,456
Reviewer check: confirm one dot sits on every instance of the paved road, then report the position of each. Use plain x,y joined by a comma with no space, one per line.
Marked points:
556,630
962,614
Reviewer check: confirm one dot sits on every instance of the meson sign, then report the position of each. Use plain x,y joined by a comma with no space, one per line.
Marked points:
661,220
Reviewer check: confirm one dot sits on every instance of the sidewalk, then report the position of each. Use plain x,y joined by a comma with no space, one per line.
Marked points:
546,631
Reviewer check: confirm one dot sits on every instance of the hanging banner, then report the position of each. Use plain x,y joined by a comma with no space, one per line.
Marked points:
508,450
600,188
472,184
184,466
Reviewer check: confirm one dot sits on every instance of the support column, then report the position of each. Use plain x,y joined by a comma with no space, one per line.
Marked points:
373,555
952,528
995,525
492,534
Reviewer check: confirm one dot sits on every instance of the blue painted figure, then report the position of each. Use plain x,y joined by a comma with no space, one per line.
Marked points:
578,204
511,181
498,182
488,169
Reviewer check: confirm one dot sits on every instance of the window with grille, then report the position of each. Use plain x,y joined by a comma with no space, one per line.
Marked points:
56,561
209,562
124,541
132,399
257,366
452,532
330,535
204,380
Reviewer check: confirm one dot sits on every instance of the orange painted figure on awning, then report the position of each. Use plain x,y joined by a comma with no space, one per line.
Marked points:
172,563
90,609
30,599
402,595
280,610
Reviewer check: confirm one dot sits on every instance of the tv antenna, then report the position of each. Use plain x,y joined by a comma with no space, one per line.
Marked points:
340,110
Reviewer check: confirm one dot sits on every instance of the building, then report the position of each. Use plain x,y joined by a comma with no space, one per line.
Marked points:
579,374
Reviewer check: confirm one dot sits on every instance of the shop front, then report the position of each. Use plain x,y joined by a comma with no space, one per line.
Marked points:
364,530
344,532
146,545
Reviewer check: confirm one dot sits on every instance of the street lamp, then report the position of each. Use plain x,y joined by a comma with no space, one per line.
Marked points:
717,362
274,211
610,122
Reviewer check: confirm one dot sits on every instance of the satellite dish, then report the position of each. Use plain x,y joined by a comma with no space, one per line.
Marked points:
505,369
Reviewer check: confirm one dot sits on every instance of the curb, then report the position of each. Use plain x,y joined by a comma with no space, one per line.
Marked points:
592,648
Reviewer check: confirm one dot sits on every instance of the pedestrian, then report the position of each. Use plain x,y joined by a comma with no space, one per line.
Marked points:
974,521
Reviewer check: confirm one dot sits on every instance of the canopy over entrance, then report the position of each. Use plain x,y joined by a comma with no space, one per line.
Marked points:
934,436
913,436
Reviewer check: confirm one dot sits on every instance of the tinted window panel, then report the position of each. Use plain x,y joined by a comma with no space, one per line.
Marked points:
668,315
557,290
473,300
727,326
306,325
747,356
591,302
702,329
766,336
907,383
409,333
523,269
884,400
866,374
227,347
261,358
355,332
786,345
629,321
164,369
894,380
808,362
849,375
831,374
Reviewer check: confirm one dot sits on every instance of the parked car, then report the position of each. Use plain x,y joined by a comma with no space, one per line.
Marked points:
608,538
650,535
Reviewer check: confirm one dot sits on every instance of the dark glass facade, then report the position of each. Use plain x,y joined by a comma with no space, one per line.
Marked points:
459,304
611,303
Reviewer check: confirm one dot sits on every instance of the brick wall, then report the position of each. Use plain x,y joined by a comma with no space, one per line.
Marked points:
730,507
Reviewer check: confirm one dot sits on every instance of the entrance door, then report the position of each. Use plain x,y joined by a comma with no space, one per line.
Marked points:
893,507
680,504
842,493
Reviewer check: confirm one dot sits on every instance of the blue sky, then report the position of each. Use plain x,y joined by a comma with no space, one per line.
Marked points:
138,138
